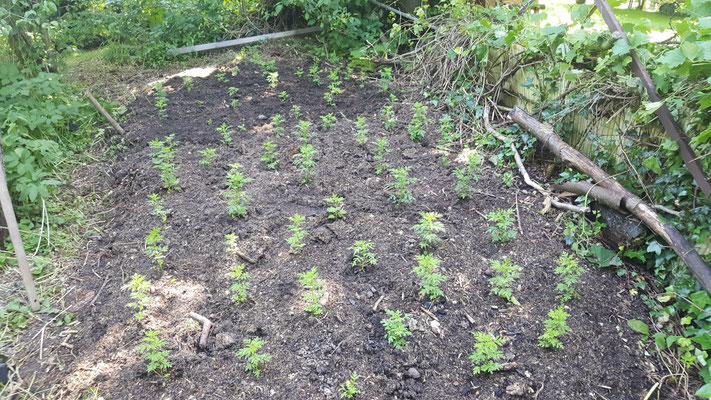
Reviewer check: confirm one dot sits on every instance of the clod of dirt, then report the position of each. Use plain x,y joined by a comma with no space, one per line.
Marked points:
323,235
518,389
413,373
436,329
224,340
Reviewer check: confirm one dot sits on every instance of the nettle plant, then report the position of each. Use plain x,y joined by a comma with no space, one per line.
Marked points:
467,176
139,288
313,291
402,194
250,352
569,271
503,220
302,131
296,111
361,132
363,256
152,349
270,157
350,388
226,132
208,155
426,268
446,129
304,161
276,121
161,100
428,228
395,330
555,327
237,199
386,79
387,114
163,157
328,121
381,150
486,353
240,285
158,209
155,247
502,282
335,207
298,233
418,123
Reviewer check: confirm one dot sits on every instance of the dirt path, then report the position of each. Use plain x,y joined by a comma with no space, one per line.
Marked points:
312,357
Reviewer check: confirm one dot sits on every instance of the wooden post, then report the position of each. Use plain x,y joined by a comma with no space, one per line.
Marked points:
674,130
16,238
245,41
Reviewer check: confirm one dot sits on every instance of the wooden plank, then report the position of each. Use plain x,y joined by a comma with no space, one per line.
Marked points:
245,41
674,130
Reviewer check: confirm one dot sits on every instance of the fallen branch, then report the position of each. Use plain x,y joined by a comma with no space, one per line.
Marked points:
522,169
103,112
426,311
612,193
245,257
206,326
377,303
245,41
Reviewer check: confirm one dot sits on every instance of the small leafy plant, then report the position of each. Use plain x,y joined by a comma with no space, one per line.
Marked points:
395,330
276,125
335,207
304,161
163,157
446,129
299,72
273,79
296,111
226,132
139,288
314,72
221,77
232,91
428,228
363,256
416,127
555,326
250,352
283,96
467,176
188,83
234,103
503,221
270,156
504,279
361,132
569,271
386,79
381,149
402,194
314,292
330,96
328,121
152,349
239,288
161,100
155,247
297,233
387,114
158,209
429,279
486,353
207,156
350,389
237,199
302,131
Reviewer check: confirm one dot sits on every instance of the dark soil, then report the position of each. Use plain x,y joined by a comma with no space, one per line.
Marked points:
312,357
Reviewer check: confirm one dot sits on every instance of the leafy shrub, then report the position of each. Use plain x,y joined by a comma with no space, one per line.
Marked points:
250,352
239,288
504,279
152,347
314,291
555,326
503,221
395,330
486,353
363,256
429,279
427,228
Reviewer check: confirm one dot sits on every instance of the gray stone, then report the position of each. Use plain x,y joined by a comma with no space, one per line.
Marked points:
413,373
224,340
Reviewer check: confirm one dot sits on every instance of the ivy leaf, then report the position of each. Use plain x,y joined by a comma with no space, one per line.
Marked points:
704,391
621,47
704,340
638,326
654,247
652,164
673,58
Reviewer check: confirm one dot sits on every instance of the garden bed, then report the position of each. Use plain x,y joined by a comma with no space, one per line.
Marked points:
313,356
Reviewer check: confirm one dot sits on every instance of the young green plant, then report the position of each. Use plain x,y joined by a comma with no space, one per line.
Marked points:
426,268
381,150
270,157
555,326
250,352
313,291
152,349
568,271
163,158
467,176
402,194
304,161
328,121
363,255
161,100
237,199
395,330
418,123
350,388
502,282
503,221
335,207
155,247
226,132
428,228
486,353
240,285
361,132
207,156
158,209
139,288
276,125
298,233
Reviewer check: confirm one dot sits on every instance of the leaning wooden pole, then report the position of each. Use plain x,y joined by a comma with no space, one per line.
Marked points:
104,113
9,213
613,193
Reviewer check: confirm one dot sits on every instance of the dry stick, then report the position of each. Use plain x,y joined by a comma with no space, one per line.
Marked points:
377,303
9,213
518,216
206,326
245,257
611,192
104,113
96,297
522,170
426,311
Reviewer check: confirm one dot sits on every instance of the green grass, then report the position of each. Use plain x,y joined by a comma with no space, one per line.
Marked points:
657,21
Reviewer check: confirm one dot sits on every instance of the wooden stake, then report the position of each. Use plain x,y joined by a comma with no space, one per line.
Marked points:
104,113
247,40
9,213
206,326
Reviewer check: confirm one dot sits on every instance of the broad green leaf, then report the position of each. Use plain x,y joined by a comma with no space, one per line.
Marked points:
673,58
700,299
691,50
638,326
654,247
704,340
621,47
652,164
704,391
